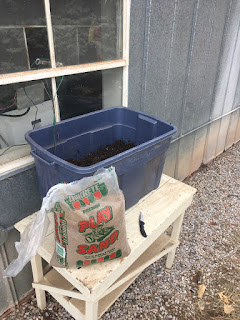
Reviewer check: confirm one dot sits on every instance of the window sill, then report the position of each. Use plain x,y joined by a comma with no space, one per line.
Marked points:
14,167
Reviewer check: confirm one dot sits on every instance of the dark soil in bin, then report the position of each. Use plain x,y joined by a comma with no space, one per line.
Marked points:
104,153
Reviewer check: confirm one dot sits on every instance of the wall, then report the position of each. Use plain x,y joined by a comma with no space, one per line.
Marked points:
184,68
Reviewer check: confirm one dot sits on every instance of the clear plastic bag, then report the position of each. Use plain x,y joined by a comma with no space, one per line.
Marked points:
32,237
34,234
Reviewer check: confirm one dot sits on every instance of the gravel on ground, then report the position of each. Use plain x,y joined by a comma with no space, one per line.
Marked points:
204,280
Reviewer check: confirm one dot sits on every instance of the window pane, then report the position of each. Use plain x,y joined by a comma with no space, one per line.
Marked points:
86,31
23,36
23,106
88,92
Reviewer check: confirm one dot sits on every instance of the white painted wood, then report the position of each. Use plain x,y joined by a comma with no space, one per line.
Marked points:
52,58
159,212
46,251
37,271
106,301
125,87
101,284
91,310
26,46
174,236
53,289
126,29
16,165
53,282
60,71
55,101
126,36
50,33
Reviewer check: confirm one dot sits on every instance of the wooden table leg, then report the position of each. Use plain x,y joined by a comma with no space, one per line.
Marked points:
91,312
37,271
175,235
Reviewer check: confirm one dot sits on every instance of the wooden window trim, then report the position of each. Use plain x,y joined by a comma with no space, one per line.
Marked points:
21,164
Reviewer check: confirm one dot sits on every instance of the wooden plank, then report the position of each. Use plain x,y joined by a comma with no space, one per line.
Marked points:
59,72
50,33
44,285
52,58
160,209
91,310
156,209
16,165
159,212
37,271
46,251
105,302
174,236
55,102
21,225
126,35
53,282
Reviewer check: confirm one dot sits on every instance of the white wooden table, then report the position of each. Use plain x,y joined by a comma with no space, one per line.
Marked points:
88,292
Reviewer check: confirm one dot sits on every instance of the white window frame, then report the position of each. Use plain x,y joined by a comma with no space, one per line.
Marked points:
21,164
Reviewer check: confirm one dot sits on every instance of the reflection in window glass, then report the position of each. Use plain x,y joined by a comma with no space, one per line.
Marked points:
86,31
23,106
88,92
20,46
37,43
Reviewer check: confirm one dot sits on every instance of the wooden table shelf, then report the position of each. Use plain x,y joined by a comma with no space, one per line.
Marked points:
88,292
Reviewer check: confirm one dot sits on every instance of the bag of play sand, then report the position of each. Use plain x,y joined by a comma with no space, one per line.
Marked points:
89,217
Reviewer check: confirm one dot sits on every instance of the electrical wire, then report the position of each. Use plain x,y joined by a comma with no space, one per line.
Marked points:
15,115
33,105
15,101
15,145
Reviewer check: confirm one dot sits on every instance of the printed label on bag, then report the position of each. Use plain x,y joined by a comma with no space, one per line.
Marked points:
87,196
89,220
60,250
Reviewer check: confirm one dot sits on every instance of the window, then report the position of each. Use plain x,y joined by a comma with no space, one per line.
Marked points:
59,59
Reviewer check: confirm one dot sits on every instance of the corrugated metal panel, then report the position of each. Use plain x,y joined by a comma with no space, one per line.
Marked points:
137,35
190,70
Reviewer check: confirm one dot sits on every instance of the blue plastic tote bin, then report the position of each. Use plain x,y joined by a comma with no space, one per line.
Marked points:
139,169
